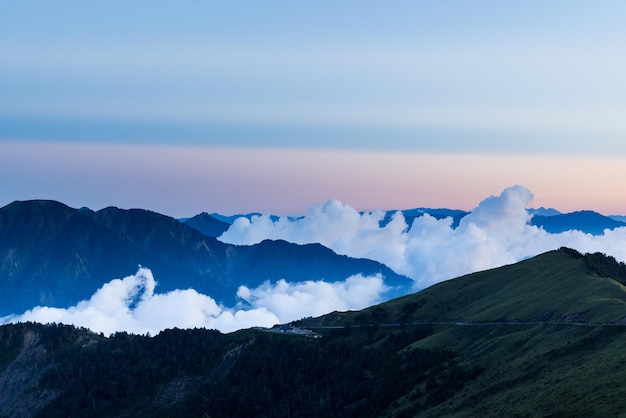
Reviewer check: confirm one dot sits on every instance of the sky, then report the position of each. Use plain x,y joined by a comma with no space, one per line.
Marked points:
231,107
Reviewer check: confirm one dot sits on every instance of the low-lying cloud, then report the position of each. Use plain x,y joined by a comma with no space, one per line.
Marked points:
290,301
131,305
495,233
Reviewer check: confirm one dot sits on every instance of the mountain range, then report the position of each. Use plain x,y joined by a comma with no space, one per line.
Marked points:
550,220
54,255
542,337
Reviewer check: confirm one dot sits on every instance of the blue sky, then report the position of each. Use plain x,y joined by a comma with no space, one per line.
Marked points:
538,84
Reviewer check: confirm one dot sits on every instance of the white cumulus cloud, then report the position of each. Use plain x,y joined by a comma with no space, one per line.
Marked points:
313,298
495,233
131,305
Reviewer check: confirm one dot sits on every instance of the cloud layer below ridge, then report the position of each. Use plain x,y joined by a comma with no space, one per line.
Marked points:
495,233
131,305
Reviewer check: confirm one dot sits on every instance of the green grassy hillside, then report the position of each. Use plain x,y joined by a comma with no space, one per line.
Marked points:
558,286
548,334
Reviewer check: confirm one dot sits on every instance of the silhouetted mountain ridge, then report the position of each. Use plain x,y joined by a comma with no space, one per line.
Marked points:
55,255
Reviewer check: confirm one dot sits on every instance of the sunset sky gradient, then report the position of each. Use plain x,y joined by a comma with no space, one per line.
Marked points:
189,106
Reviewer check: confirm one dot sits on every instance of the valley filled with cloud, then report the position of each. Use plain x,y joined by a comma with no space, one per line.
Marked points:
132,305
430,250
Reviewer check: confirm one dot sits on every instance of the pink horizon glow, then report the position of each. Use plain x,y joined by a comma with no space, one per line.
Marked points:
183,180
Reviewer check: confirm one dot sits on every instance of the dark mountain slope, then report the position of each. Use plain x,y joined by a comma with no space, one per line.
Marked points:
176,254
182,373
372,368
51,252
56,255
255,261
587,221
232,265
207,225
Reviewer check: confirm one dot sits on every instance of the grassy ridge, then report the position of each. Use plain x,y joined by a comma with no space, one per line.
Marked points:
555,367
555,286
550,286
542,370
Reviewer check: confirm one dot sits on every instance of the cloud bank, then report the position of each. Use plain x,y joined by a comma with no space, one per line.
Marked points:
495,233
131,305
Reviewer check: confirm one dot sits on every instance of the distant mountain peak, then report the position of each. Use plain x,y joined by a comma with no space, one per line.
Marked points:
207,224
544,211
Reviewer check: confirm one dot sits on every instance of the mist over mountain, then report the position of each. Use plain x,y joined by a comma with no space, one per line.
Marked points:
542,337
498,231
410,214
229,219
54,255
136,304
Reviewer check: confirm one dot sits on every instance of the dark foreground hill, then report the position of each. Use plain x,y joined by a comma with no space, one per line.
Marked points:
543,337
51,254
